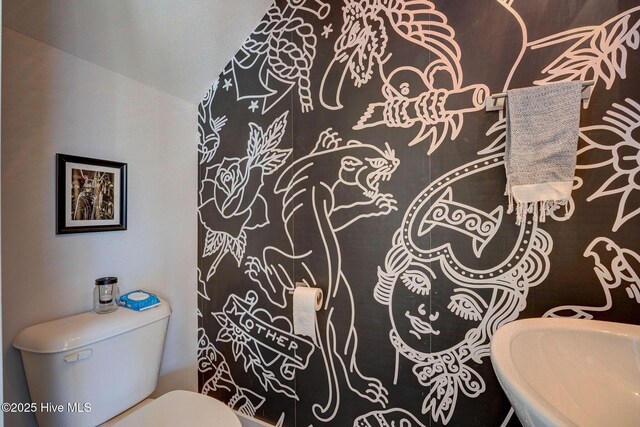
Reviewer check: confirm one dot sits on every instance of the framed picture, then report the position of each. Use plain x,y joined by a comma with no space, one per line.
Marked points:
91,195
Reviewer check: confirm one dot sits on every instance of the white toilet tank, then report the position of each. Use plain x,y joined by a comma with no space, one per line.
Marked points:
83,370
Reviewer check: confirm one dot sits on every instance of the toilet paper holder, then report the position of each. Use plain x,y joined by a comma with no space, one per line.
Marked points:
304,283
319,296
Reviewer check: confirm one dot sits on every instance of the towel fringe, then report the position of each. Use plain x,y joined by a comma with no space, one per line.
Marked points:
539,209
507,192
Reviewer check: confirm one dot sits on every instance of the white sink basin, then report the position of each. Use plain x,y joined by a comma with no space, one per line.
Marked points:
570,372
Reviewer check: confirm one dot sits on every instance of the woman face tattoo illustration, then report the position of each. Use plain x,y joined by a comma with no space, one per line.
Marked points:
432,313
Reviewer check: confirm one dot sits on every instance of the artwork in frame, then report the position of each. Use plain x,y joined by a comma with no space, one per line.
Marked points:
91,195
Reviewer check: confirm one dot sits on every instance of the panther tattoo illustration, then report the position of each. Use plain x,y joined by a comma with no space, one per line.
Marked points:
335,185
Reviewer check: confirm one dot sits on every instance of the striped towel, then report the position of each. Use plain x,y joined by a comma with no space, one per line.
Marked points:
542,138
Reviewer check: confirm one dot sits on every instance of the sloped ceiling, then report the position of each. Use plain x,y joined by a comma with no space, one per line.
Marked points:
178,47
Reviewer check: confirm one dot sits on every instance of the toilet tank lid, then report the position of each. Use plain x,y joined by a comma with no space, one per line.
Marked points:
87,328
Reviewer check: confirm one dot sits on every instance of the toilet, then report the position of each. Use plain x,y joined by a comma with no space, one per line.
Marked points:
86,369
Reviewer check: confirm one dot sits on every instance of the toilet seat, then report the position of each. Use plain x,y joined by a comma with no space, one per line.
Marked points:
181,407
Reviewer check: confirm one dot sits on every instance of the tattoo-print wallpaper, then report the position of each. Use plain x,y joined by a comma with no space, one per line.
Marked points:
346,146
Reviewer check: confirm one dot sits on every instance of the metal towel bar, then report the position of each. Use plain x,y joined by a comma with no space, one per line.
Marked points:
496,101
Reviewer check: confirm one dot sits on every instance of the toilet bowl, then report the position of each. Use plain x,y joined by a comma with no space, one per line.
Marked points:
178,408
94,367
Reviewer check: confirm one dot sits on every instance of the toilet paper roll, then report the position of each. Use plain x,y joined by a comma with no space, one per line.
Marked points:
306,301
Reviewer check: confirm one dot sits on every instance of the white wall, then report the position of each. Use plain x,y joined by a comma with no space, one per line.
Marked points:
175,46
55,102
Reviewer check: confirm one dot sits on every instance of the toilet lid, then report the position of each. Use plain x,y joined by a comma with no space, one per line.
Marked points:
182,408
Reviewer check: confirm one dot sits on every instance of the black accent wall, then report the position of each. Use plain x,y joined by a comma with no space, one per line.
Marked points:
346,146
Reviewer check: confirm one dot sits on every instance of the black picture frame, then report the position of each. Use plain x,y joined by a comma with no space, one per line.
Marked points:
91,195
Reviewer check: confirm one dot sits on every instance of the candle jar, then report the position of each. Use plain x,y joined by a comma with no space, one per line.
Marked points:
106,295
